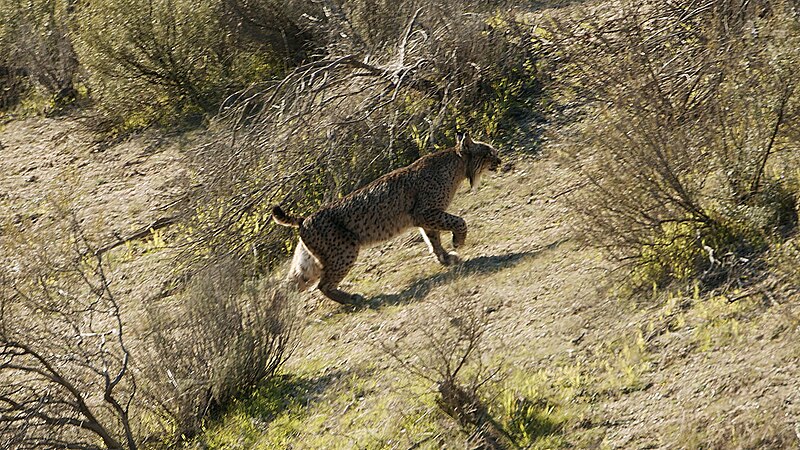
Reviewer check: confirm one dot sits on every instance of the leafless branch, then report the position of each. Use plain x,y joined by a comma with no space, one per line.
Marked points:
453,344
49,373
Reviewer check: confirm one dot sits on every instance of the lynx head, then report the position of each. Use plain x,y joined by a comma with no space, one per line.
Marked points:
480,157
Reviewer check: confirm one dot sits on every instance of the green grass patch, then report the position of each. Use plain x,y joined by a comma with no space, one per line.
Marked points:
275,410
721,320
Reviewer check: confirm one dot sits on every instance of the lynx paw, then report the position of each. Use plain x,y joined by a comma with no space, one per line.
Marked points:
448,259
357,300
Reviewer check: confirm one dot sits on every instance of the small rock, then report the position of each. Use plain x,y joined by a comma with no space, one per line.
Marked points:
577,340
31,179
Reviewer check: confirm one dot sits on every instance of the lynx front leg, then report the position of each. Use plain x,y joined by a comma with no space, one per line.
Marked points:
438,220
434,242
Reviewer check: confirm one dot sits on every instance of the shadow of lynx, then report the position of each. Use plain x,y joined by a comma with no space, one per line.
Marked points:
480,265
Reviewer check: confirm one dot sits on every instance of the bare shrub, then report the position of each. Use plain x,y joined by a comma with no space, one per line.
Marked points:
453,360
65,366
36,44
684,109
81,367
216,341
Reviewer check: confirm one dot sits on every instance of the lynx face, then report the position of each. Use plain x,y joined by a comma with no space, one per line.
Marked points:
480,157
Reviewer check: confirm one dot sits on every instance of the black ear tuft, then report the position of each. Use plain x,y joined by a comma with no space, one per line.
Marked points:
466,140
463,142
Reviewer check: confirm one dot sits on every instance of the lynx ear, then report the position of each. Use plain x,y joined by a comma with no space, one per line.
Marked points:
463,143
466,141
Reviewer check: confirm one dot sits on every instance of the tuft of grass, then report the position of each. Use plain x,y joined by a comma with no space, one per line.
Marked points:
721,319
528,415
277,406
550,408
625,369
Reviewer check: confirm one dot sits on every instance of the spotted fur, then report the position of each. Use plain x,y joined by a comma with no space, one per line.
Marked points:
413,196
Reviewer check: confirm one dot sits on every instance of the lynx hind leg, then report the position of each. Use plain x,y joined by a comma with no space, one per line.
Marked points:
336,263
306,269
434,242
334,274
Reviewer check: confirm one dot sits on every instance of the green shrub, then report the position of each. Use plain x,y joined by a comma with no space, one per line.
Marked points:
168,61
712,251
674,254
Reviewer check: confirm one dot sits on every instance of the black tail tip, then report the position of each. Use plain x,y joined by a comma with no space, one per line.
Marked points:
279,216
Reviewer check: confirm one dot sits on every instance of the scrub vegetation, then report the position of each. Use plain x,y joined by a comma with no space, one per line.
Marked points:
630,278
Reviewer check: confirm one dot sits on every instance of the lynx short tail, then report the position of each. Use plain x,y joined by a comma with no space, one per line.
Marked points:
281,218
